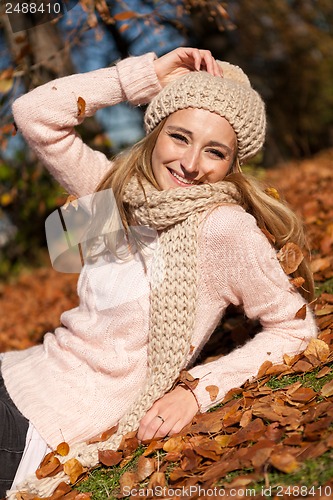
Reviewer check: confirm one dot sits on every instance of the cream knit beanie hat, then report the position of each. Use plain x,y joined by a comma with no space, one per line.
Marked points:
230,96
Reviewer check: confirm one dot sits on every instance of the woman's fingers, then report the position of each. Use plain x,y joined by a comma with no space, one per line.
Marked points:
168,415
183,60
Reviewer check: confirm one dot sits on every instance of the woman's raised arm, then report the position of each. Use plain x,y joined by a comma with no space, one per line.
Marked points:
47,117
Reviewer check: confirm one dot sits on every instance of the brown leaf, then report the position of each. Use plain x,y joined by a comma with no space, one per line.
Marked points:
290,256
303,395
109,457
187,379
74,469
251,432
127,482
61,490
63,449
302,366
129,443
209,449
246,418
81,106
327,389
323,372
263,368
317,348
260,452
145,467
301,313
213,391
190,460
157,479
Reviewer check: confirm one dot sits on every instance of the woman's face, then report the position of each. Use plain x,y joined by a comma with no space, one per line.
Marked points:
194,146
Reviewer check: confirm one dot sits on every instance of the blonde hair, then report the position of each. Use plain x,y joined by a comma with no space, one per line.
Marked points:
272,215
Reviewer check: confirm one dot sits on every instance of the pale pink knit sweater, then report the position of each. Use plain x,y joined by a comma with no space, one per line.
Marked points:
85,375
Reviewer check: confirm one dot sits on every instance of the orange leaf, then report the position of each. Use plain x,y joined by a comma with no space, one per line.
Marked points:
125,15
175,443
297,282
284,462
49,466
104,435
123,28
213,391
290,256
81,106
63,449
272,192
74,469
71,200
301,313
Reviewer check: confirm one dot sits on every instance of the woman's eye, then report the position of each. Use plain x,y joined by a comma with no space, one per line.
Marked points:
217,153
179,137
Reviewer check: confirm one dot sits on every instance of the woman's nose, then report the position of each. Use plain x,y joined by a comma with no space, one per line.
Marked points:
190,161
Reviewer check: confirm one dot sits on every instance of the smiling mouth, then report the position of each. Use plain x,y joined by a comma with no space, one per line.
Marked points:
182,179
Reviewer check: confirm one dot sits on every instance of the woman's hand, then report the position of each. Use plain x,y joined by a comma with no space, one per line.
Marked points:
168,415
183,60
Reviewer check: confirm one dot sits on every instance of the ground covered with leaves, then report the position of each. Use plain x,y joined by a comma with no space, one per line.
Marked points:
271,438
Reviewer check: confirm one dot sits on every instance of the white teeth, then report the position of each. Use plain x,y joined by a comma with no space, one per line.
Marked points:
181,179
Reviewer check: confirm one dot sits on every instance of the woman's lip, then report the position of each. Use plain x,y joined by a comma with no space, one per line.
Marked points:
178,181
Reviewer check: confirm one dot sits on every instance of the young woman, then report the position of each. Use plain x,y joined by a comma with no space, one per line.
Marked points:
116,364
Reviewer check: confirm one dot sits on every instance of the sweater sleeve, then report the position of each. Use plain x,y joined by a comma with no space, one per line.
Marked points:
47,117
241,267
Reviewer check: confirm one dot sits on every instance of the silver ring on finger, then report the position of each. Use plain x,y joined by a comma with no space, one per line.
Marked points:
159,416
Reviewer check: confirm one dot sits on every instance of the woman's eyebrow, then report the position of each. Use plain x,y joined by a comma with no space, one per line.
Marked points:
173,128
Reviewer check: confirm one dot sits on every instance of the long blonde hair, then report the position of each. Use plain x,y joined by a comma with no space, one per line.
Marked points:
272,215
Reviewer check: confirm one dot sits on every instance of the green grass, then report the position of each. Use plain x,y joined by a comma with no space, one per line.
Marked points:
313,473
326,287
104,482
307,380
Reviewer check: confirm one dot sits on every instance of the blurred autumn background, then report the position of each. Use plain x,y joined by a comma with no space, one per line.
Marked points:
286,48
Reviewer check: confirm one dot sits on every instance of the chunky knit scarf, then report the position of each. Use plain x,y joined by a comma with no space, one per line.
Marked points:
176,214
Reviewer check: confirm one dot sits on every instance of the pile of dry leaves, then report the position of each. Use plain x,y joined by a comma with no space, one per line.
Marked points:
259,428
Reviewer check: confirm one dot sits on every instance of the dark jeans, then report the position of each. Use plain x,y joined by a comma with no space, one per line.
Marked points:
13,430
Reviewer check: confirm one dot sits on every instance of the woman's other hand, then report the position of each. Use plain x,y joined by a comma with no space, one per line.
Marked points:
168,415
183,60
